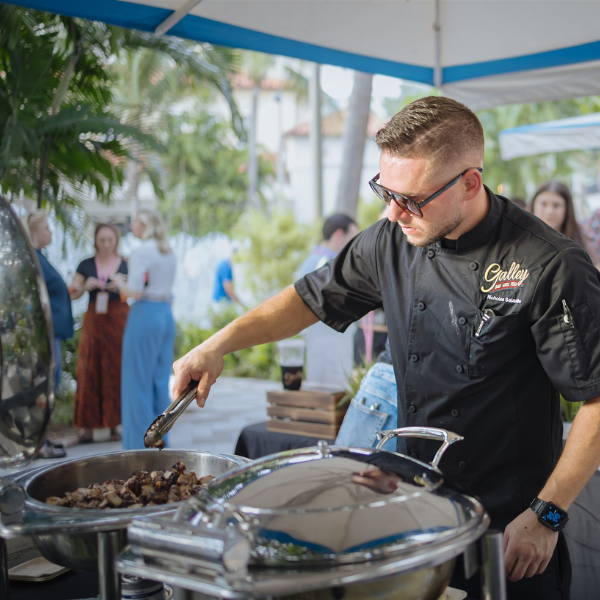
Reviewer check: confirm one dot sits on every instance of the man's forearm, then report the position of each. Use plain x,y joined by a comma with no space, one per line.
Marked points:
579,460
280,317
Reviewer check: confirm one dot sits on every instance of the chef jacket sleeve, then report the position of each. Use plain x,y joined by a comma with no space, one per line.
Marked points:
565,317
347,287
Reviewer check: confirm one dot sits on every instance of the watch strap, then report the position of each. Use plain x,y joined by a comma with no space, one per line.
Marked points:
537,505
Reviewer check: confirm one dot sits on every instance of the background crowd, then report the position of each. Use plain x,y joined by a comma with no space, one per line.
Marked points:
126,346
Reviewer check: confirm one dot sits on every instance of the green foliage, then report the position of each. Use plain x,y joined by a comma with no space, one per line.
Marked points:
64,405
273,246
70,351
259,361
354,382
64,401
569,409
368,211
206,176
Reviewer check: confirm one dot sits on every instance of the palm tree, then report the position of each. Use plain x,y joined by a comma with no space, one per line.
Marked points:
56,141
257,66
152,75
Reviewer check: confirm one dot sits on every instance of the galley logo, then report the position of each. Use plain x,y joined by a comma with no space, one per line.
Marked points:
498,280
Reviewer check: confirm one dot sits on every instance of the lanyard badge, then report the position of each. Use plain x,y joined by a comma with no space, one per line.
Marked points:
102,296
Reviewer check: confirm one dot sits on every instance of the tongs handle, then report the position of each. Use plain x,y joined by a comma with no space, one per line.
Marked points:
176,408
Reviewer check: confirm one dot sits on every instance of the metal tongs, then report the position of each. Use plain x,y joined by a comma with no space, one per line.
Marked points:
163,423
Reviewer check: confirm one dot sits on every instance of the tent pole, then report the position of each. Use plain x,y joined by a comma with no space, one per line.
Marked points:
176,16
437,70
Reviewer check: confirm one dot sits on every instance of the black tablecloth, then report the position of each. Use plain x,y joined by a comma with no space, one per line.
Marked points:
255,441
68,586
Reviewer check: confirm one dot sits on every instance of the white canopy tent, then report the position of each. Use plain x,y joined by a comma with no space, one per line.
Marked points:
484,52
576,133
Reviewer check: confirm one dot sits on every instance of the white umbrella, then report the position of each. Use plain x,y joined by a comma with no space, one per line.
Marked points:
485,53
576,133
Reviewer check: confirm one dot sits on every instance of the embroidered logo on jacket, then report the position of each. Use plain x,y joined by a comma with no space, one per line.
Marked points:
498,280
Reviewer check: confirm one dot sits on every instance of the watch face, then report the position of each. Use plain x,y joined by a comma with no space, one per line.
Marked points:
552,516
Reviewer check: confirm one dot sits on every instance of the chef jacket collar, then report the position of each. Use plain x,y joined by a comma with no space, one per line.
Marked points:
481,233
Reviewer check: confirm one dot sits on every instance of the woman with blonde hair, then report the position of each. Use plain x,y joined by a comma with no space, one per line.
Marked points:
40,236
98,396
150,331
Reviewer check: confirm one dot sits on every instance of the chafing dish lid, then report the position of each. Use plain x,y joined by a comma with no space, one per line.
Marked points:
26,349
338,505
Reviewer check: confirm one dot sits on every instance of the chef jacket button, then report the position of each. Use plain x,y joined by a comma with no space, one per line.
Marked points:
412,408
462,320
414,455
454,412
414,358
473,266
430,253
462,464
459,368
421,306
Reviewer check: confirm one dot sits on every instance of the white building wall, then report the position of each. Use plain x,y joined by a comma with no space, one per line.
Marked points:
299,167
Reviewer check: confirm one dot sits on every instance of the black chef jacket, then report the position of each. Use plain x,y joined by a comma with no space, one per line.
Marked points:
494,376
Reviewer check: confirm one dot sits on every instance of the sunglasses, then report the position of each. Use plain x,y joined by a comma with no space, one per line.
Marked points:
409,204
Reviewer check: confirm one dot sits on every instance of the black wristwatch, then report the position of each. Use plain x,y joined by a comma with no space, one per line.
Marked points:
549,514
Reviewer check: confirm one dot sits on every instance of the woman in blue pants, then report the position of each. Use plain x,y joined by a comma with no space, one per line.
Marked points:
150,331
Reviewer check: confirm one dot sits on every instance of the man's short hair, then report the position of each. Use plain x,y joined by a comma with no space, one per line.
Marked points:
335,222
437,128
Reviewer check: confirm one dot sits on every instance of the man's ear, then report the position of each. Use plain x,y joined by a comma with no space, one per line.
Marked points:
473,183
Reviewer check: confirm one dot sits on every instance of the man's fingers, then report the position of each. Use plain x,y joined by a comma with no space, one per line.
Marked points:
543,565
181,381
510,560
518,571
203,390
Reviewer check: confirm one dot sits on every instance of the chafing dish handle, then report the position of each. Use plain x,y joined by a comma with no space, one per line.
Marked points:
429,433
12,497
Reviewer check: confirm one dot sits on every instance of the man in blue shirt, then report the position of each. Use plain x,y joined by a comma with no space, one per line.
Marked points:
223,287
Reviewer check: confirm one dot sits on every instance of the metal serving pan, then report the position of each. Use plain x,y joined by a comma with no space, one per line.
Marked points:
68,536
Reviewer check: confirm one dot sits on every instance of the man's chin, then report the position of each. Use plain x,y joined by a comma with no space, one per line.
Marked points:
418,239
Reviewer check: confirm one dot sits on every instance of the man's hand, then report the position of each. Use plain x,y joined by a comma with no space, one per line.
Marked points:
528,546
202,364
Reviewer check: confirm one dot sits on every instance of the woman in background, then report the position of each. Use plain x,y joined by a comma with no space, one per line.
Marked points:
553,204
98,397
150,331
60,304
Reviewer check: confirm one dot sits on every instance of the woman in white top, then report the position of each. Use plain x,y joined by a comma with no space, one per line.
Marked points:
150,331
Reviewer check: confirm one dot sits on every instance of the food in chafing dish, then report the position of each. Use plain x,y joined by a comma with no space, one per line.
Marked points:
143,488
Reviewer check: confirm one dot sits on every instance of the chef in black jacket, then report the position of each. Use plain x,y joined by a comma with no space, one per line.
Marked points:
491,314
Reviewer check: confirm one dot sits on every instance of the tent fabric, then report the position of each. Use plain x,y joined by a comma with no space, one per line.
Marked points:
484,53
576,133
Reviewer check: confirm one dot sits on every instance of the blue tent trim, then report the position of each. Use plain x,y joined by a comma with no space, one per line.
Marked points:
538,127
529,62
147,18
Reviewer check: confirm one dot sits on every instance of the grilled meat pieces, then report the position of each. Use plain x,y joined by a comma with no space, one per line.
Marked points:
141,489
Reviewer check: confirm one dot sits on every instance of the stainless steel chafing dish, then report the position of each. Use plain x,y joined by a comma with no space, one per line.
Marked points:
322,522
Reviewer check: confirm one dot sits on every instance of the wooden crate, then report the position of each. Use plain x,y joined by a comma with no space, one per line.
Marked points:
305,412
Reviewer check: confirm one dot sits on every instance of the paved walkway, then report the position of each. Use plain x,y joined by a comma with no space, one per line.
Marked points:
233,403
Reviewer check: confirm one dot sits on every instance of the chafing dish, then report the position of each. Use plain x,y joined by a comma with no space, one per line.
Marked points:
322,522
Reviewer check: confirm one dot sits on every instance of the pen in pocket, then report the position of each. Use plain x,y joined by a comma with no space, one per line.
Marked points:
488,313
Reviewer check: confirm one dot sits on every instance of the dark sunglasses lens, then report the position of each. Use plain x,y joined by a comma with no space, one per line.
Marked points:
413,208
